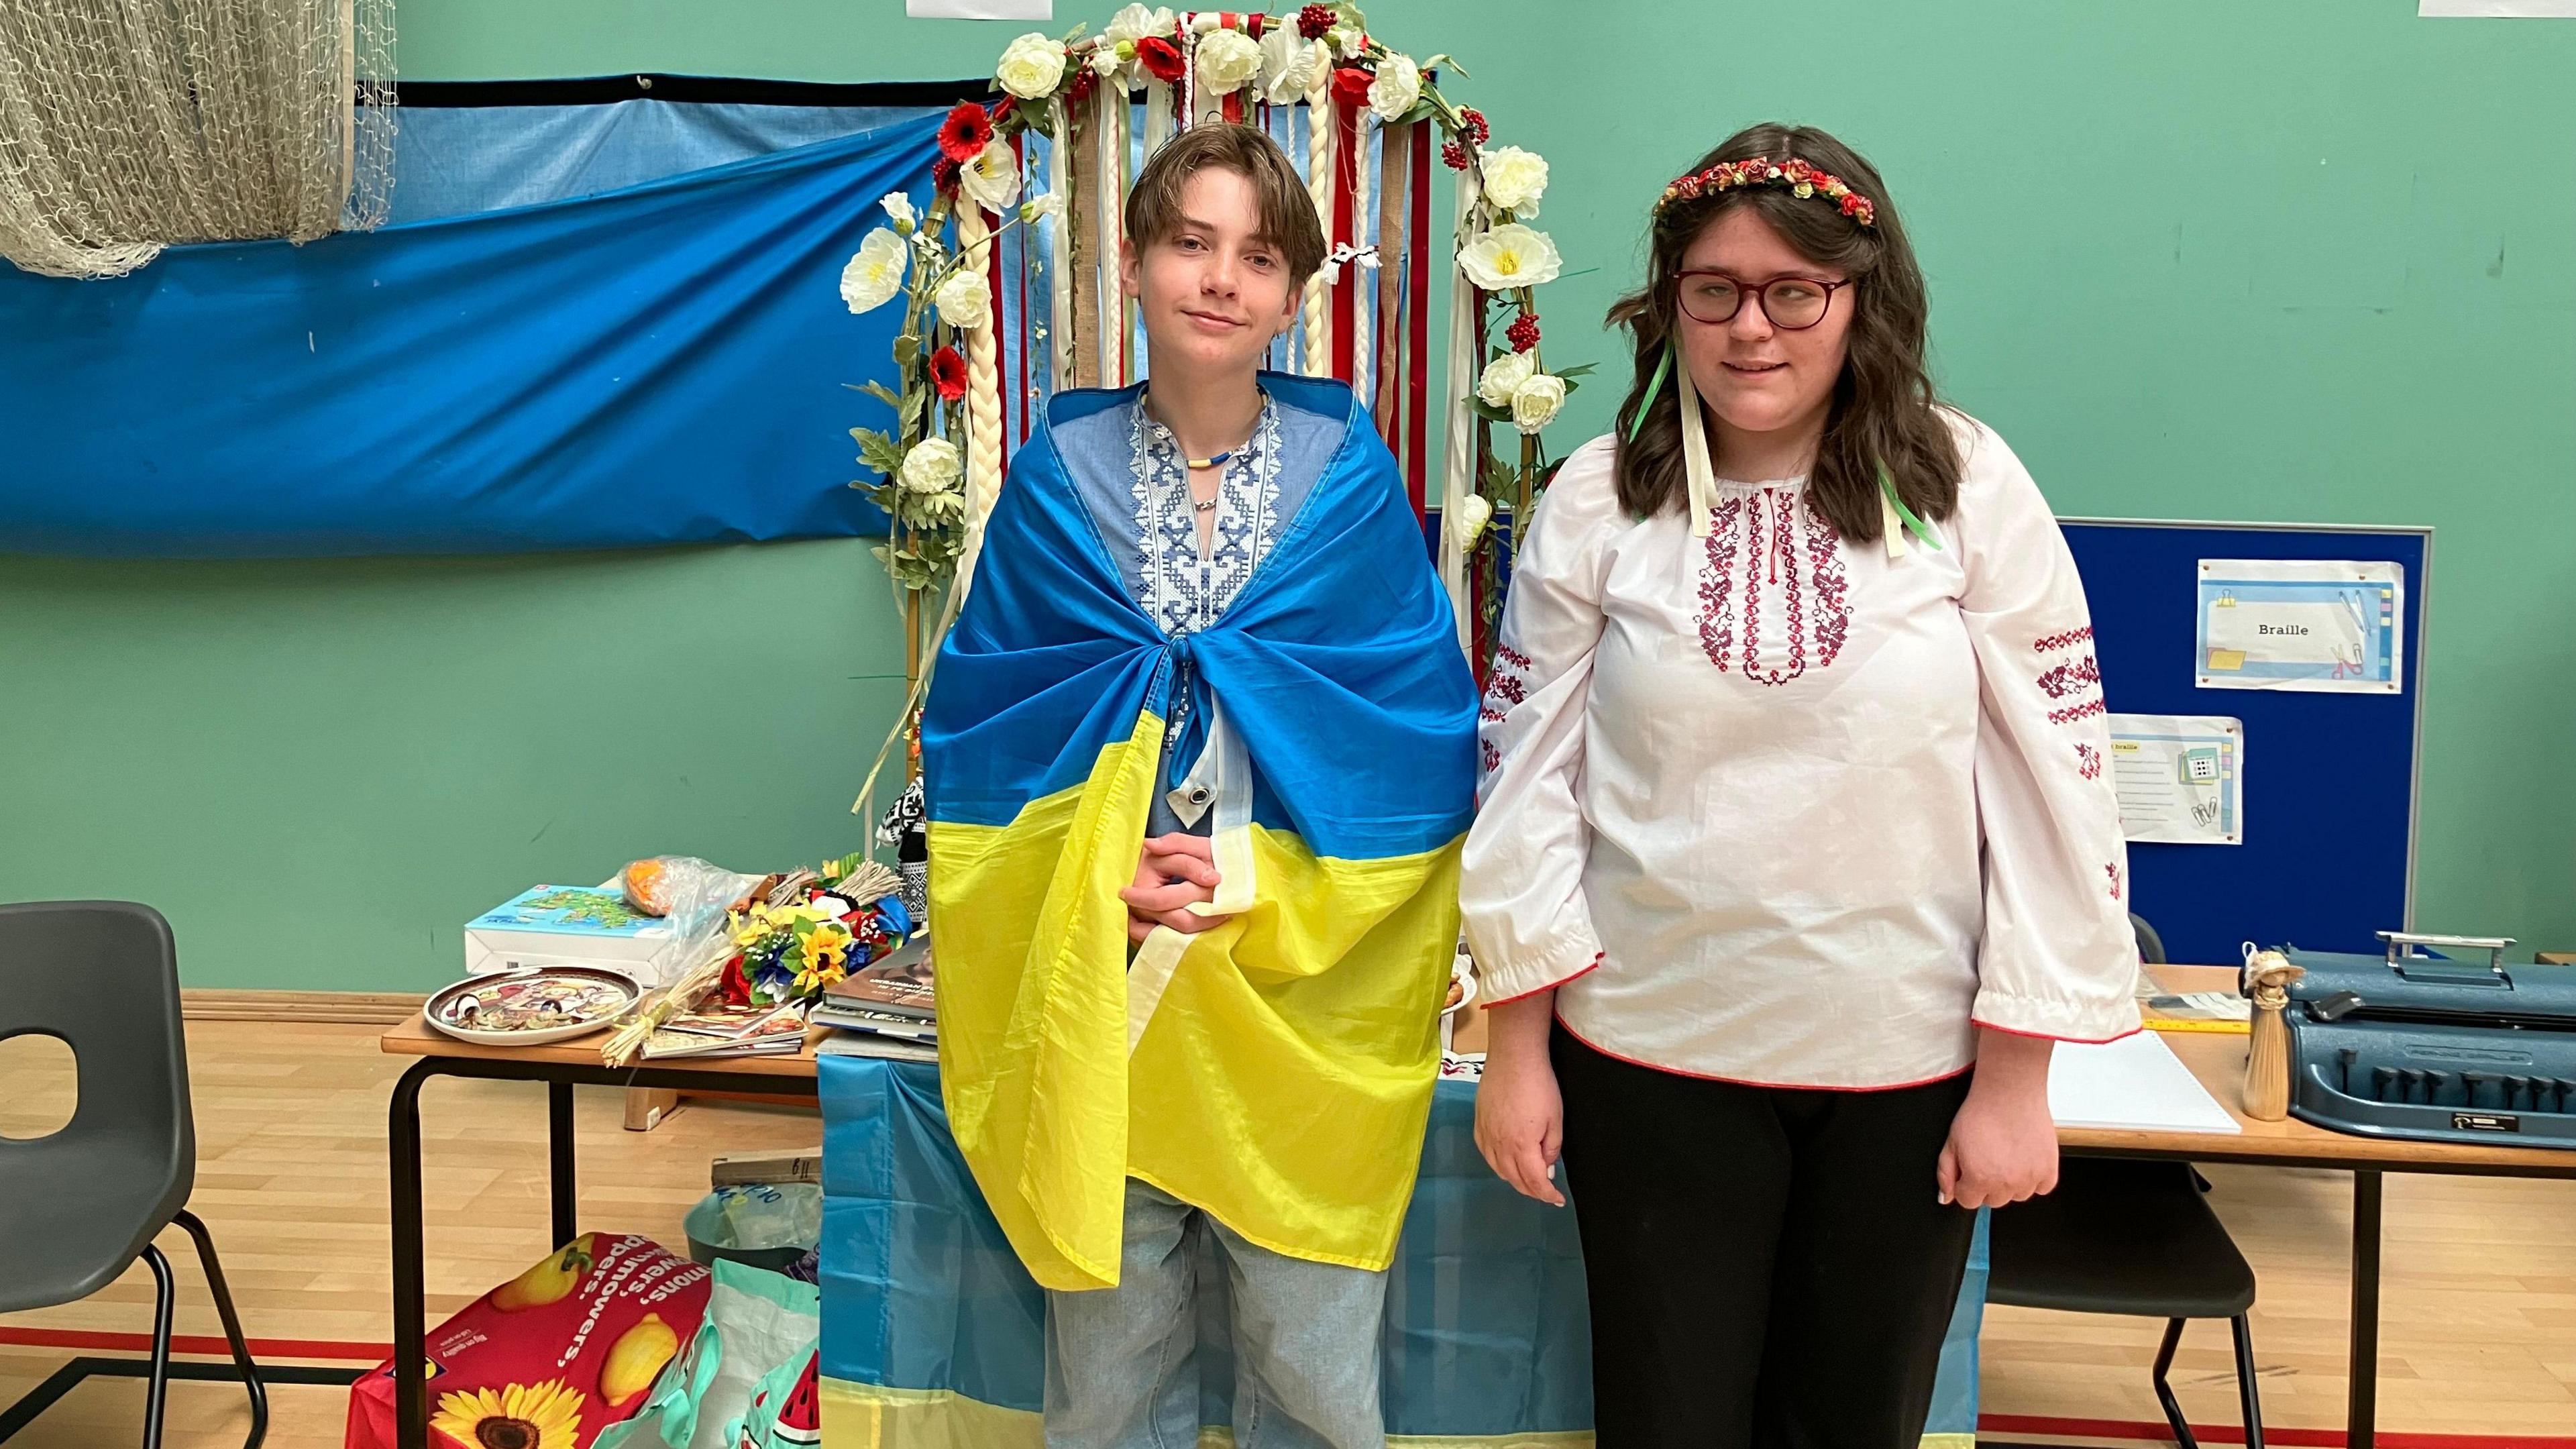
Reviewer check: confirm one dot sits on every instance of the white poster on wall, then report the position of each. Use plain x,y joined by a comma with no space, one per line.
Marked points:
2331,626
980,9
2180,777
2484,9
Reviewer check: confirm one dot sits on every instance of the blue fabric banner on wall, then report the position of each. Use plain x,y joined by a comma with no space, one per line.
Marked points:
657,365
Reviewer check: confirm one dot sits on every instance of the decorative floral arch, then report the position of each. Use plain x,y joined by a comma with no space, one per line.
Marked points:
1009,279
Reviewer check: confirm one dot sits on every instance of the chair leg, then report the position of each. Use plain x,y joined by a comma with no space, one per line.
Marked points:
232,1326
2247,1391
164,1308
2164,1390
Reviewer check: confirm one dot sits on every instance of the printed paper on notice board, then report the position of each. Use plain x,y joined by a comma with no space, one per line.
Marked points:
2331,626
2484,9
2180,778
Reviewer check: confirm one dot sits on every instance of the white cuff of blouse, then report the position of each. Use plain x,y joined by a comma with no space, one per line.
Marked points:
1571,956
2087,1023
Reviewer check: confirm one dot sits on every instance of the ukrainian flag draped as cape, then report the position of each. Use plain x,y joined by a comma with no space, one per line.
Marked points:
1277,1070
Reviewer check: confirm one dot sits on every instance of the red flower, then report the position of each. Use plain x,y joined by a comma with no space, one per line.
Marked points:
1162,59
943,176
1475,127
1852,204
1351,84
1455,156
1523,333
948,373
1314,21
968,129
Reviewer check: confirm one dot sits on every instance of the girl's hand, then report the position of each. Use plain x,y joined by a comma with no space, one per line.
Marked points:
2003,1142
1520,1119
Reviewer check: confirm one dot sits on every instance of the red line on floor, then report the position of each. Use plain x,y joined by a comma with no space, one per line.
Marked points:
2233,1434
322,1348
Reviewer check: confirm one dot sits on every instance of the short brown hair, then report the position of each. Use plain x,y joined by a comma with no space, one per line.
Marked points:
1286,215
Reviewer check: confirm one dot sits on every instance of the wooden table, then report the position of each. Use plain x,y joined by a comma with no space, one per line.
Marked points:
2218,1060
561,1067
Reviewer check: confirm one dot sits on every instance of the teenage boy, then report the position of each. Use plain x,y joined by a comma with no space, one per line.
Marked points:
1199,755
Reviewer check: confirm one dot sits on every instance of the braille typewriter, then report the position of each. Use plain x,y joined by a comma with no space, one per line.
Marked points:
2417,1046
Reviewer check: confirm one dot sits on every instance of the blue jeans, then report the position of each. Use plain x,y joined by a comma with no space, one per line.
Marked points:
1121,1370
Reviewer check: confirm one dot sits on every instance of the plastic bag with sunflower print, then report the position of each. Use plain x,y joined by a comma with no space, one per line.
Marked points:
553,1357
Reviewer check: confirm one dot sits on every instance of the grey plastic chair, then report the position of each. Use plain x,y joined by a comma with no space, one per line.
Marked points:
77,1207
2133,1238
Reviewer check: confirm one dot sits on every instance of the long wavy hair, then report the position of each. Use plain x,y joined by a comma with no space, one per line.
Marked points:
1884,409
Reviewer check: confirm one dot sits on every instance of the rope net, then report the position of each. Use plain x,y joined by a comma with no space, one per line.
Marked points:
129,125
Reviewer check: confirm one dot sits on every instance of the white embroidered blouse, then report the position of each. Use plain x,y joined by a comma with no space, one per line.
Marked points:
1771,807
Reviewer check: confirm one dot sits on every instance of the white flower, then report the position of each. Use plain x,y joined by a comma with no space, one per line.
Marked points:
1133,23
899,206
992,179
1473,514
1030,67
1503,377
1228,60
1346,42
1104,59
1397,87
876,273
964,302
1514,179
933,466
1536,400
1288,65
1509,256
1037,207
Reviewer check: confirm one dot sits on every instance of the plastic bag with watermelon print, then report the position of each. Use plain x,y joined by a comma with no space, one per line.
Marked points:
553,1358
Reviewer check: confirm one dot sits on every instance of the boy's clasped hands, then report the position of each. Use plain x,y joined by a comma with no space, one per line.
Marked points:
1174,872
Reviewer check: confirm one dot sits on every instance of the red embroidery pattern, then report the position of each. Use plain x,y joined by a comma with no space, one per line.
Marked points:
1741,534
2088,762
2114,872
1490,715
2073,678
2086,710
1507,655
1493,757
1509,688
2049,642
1717,587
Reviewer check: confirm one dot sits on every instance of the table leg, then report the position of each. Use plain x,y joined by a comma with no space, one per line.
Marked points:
2361,1408
561,1172
411,1308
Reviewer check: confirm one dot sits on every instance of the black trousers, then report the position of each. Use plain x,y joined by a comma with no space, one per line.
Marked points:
1769,1266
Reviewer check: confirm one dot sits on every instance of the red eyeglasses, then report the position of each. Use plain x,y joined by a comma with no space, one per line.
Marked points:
1793,304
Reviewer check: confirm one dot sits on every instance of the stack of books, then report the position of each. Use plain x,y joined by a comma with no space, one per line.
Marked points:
719,1030
888,1009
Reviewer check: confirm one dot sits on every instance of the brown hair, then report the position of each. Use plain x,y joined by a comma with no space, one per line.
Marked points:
1285,212
1884,409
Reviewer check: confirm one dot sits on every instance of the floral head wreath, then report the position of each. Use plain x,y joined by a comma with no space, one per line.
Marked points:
1789,173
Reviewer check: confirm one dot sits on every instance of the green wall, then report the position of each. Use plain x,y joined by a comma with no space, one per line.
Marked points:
2303,260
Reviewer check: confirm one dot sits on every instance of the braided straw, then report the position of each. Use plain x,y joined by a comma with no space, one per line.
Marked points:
983,375
1321,128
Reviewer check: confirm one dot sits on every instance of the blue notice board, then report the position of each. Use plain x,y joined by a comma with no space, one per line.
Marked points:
2330,779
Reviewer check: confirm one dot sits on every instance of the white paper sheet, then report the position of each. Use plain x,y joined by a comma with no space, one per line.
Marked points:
2133,1084
2180,777
2465,9
2330,626
980,9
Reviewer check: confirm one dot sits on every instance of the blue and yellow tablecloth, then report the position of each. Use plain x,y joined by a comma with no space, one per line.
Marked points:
934,1336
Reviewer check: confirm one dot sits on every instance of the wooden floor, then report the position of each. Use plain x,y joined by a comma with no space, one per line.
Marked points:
2480,1297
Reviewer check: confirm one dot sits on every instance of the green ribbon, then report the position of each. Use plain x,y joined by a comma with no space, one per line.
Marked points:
1913,524
1654,385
